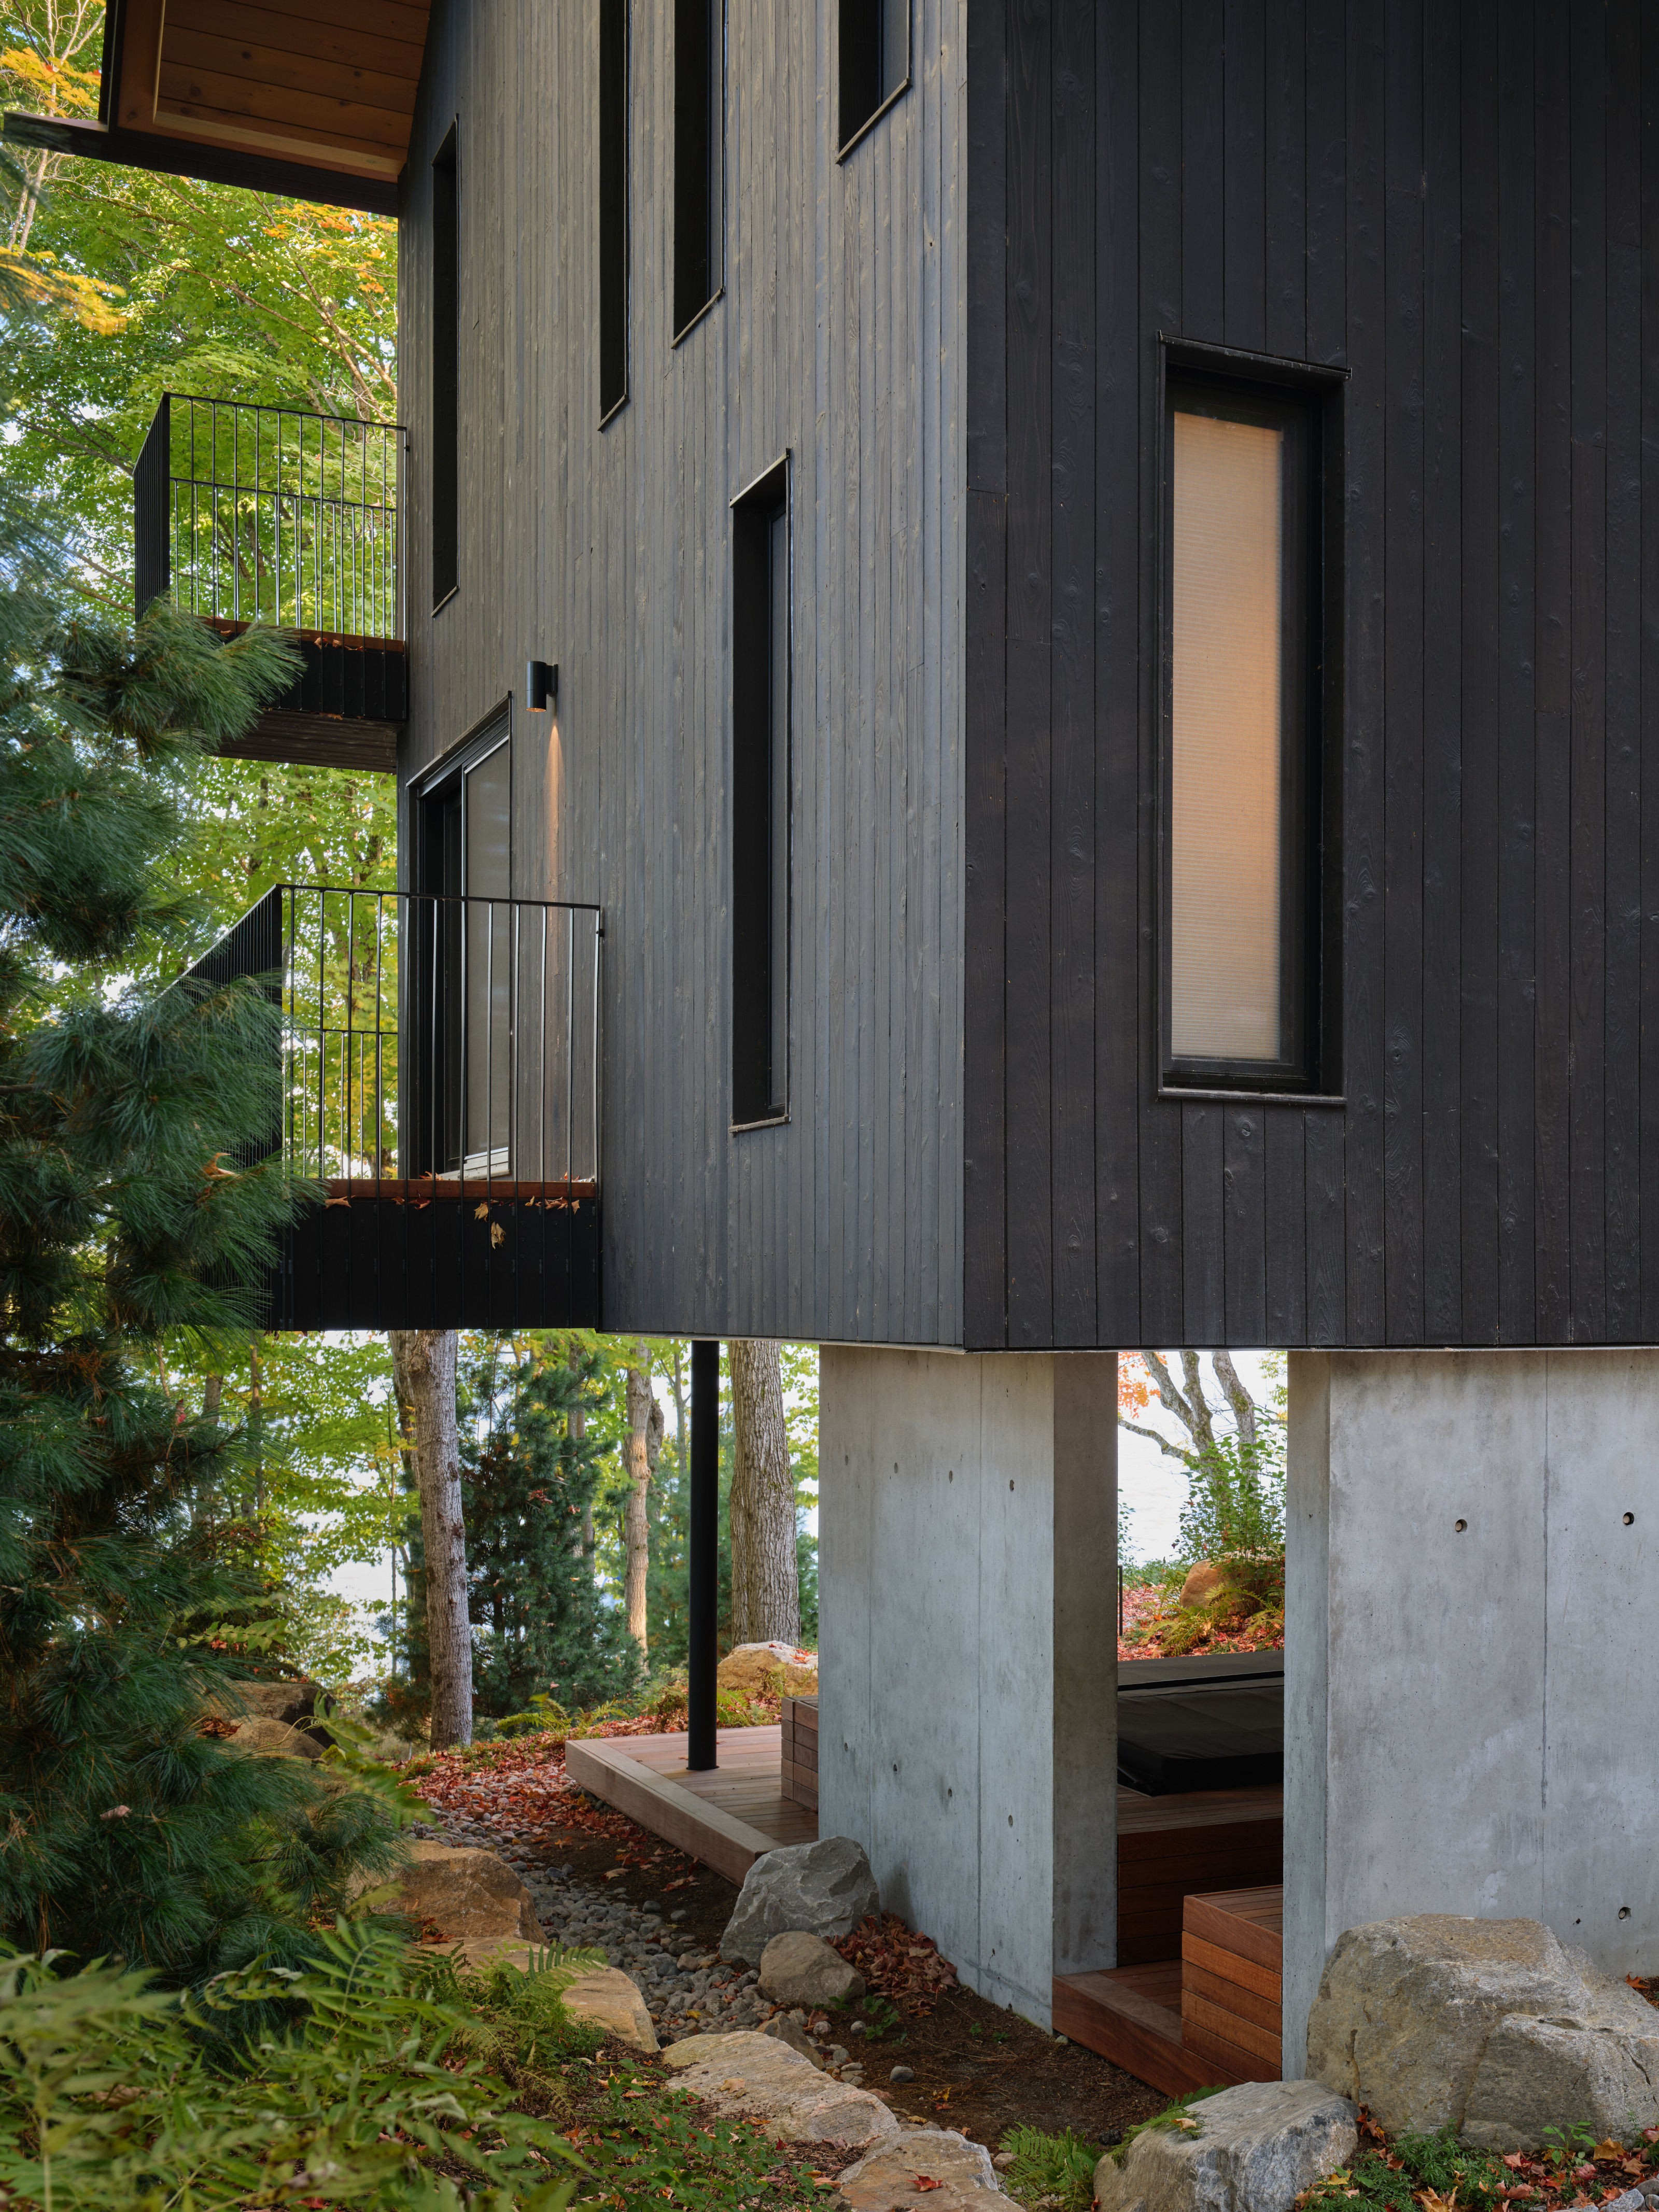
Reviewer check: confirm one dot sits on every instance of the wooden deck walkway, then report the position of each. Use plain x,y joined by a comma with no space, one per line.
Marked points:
727,1819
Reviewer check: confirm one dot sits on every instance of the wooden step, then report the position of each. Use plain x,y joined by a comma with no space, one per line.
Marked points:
1231,1987
800,1750
1132,2015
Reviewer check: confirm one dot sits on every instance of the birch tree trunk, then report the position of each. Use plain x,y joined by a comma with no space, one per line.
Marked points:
765,1592
423,1368
640,1454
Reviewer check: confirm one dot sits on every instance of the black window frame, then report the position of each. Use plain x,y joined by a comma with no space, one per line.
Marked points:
1304,399
868,81
762,806
614,241
445,362
699,268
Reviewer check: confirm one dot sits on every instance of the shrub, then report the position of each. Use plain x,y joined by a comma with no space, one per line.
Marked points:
340,2085
1235,1498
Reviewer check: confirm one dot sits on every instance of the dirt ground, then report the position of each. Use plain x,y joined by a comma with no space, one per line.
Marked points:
977,2069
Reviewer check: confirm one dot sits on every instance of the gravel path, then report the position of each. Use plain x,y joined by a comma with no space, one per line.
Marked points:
687,1988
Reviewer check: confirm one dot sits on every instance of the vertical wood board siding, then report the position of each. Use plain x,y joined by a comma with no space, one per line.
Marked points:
840,338
1458,205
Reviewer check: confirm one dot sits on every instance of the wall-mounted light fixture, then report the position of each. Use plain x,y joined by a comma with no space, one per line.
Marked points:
541,685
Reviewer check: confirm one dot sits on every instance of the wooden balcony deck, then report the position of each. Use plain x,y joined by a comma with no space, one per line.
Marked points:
727,1819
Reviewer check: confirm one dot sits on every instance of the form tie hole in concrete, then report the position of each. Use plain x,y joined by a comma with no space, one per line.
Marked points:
1460,1526
1623,1912
951,1476
1011,1486
1630,1519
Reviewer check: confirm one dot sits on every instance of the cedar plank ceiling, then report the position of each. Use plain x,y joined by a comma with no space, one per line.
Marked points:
287,79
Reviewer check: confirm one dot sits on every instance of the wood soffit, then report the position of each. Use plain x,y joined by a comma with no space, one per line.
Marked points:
250,94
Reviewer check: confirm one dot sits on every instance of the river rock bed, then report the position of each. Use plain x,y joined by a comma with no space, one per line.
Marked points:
686,1986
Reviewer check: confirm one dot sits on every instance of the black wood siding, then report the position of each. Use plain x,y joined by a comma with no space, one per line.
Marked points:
1459,204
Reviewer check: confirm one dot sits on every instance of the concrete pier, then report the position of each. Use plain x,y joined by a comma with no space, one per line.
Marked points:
967,1630
1472,1674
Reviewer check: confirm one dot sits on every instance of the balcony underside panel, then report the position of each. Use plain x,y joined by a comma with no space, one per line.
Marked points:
444,1262
318,741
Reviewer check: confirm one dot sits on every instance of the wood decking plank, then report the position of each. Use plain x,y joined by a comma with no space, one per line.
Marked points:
1231,1966
727,1818
1107,2013
1230,1996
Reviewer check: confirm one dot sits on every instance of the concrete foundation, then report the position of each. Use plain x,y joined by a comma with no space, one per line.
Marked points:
1472,1671
968,1636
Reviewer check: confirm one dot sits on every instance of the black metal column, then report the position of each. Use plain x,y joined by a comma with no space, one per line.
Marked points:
704,1547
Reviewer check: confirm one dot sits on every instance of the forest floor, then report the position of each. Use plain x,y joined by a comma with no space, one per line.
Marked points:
975,2068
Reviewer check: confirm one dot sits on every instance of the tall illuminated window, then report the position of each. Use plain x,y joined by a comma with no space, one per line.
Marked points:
1241,643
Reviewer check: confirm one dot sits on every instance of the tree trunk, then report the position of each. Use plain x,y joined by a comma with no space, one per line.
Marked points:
424,1366
645,1426
765,1593
575,1427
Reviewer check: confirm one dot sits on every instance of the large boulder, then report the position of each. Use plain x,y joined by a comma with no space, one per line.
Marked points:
747,1668
825,1888
958,2175
798,1969
1599,2070
1492,2028
754,2076
466,1895
1253,2148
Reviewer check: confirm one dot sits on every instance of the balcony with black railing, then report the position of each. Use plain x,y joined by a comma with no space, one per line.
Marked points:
440,1065
243,513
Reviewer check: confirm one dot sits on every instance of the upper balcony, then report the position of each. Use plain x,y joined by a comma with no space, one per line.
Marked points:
245,513
439,1063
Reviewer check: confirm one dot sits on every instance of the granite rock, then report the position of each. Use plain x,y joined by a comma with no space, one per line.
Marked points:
758,2077
607,1998
1492,2028
825,1889
1252,2149
467,1894
798,1969
888,2175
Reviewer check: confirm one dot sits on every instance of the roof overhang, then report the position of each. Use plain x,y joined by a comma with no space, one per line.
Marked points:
282,96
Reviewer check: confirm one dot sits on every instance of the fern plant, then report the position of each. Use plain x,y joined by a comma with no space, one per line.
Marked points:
113,2093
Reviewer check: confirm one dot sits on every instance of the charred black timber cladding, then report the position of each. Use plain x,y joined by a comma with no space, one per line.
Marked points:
376,1262
362,679
1459,204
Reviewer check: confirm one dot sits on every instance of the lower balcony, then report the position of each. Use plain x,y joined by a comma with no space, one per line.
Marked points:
440,1079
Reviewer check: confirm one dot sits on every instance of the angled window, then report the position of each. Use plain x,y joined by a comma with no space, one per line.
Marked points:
699,144
1241,647
445,368
874,57
613,206
760,800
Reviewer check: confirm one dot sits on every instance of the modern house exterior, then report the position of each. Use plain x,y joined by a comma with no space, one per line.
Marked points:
1078,584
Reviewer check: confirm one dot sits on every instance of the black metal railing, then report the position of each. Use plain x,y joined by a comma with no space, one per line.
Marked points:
429,1036
431,1048
248,512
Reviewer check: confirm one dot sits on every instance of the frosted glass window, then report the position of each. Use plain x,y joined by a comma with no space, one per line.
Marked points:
1227,740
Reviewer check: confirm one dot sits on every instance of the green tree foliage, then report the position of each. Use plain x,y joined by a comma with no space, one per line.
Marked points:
127,1832
668,1581
528,1483
534,1440
147,283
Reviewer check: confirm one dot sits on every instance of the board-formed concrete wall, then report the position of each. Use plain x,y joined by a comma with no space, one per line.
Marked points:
967,1713
1472,1675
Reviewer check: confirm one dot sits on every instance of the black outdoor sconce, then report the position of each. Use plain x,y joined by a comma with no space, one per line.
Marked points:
541,685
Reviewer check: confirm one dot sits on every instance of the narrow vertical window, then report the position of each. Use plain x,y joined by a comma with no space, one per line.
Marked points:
1242,643
760,800
613,206
446,372
874,62
699,119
